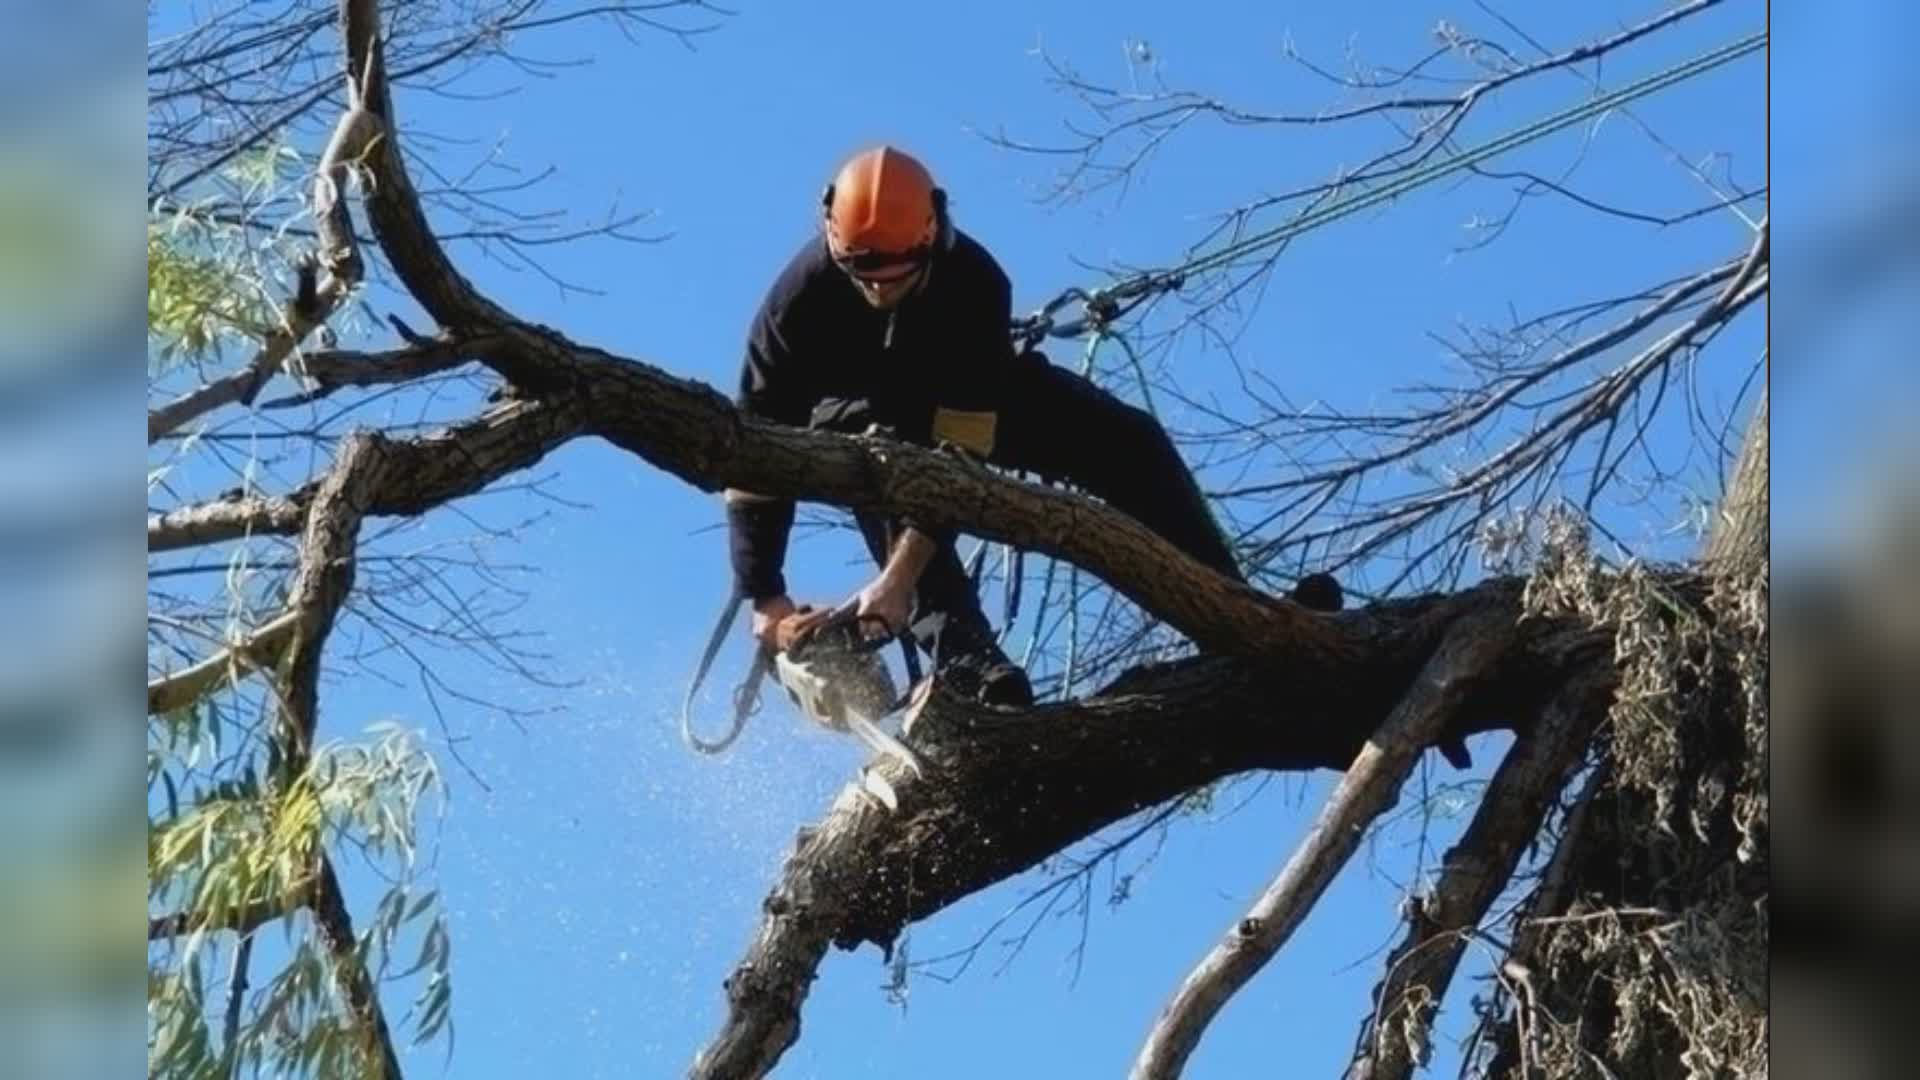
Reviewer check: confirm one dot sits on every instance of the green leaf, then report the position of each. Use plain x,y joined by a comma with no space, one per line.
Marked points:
425,901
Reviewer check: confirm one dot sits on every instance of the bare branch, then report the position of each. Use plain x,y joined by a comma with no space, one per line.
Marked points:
1154,115
315,299
433,470
336,369
260,650
1472,876
392,205
1371,786
223,519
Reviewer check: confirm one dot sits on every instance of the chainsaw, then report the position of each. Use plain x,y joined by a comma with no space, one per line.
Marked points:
833,673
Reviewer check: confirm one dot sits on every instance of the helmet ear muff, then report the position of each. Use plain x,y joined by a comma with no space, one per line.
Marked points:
942,222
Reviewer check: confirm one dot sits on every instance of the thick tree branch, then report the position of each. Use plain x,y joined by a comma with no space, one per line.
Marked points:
319,590
393,206
428,472
1739,541
1008,789
226,519
1472,876
692,431
1471,648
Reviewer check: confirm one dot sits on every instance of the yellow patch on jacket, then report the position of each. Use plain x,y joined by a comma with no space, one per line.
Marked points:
971,430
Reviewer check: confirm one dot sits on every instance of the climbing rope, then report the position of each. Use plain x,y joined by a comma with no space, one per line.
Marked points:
1101,307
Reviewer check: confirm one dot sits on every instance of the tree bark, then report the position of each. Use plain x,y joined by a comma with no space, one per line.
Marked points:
318,592
1473,874
1739,541
1605,861
1370,787
1006,789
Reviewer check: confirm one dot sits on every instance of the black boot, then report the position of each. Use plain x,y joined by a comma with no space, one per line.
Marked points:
1319,592
974,666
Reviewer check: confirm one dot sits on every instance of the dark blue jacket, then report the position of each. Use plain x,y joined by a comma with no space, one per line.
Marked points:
816,342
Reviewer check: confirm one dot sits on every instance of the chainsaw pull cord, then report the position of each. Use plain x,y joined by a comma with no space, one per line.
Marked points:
746,696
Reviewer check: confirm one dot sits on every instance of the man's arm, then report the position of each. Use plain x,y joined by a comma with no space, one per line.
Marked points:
758,527
909,558
772,385
889,596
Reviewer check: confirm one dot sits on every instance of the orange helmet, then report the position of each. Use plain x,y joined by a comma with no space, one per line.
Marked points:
882,209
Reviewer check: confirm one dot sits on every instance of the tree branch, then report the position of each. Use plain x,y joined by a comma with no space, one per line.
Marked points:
1371,785
1007,789
237,986
317,295
259,650
1472,876
692,431
427,472
350,972
319,589
1739,541
226,519
393,206
336,369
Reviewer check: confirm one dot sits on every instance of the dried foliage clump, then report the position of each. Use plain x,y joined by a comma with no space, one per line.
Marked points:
1644,950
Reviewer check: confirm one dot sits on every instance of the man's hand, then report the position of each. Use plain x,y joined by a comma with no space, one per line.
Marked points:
777,622
888,599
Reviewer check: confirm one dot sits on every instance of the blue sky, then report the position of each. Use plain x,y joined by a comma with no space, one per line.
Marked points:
606,880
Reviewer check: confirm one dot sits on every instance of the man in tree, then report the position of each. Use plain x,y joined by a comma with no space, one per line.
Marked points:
896,318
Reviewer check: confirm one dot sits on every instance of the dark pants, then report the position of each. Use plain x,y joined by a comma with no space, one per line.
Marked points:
1066,429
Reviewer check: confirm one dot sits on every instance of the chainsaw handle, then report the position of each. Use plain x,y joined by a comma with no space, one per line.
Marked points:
847,615
876,642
